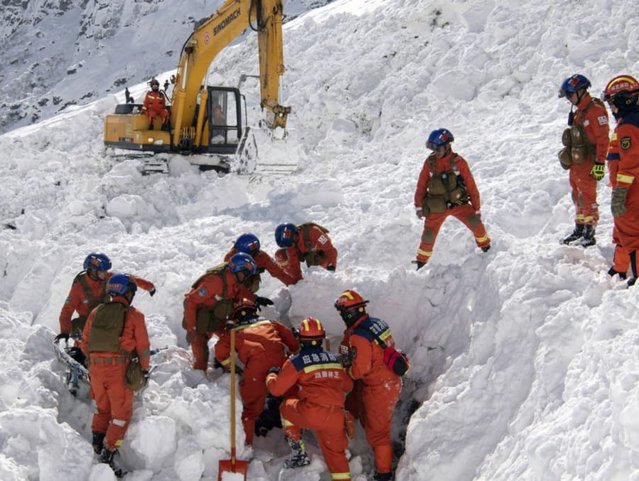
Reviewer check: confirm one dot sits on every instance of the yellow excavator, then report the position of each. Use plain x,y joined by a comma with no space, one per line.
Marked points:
196,126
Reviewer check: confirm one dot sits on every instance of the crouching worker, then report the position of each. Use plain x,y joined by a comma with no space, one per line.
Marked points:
319,404
113,334
261,345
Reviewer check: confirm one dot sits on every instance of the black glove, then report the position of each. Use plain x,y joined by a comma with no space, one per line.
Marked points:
273,370
152,292
147,376
217,364
62,335
263,301
330,268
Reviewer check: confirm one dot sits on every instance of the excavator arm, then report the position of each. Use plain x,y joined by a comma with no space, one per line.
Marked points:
208,39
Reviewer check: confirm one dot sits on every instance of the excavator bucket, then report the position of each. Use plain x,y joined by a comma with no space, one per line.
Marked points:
268,152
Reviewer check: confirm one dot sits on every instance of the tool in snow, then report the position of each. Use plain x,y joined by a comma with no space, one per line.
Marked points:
232,465
76,371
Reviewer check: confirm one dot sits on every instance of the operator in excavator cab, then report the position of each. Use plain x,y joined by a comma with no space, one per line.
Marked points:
155,105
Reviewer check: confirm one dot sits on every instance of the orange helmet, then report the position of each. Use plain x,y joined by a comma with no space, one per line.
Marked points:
311,329
621,83
244,308
348,300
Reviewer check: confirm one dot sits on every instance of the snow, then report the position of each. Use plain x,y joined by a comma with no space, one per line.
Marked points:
525,359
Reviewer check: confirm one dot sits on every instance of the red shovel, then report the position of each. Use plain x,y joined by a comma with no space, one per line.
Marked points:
232,465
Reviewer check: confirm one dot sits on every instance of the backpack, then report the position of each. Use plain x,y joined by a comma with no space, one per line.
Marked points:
445,189
213,318
107,327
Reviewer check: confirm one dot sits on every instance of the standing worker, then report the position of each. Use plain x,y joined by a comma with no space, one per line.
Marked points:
377,386
584,155
261,344
88,290
446,187
622,95
319,403
115,331
209,303
308,242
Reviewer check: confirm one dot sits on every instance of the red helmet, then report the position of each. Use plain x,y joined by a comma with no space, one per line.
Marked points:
348,300
244,308
310,329
621,83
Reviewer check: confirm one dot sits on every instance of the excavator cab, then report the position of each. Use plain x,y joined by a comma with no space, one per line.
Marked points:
224,122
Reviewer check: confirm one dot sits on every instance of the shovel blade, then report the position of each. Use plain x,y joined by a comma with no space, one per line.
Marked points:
234,468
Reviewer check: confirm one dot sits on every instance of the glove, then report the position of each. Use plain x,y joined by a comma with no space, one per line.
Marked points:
273,370
62,335
345,356
618,202
263,301
190,336
598,171
330,268
146,375
419,212
217,364
152,292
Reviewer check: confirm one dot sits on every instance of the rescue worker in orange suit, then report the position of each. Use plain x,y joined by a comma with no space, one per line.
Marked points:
154,105
584,155
377,387
319,402
209,303
622,95
115,331
88,290
308,243
261,344
250,244
446,187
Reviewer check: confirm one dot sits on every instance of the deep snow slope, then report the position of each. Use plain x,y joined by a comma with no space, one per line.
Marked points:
525,358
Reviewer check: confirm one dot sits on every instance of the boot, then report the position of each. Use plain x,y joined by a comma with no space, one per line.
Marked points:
588,238
612,272
383,476
107,457
98,442
420,264
633,268
298,457
576,234
485,248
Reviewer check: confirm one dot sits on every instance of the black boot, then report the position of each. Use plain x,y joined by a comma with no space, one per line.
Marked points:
589,236
612,272
298,457
383,476
98,442
107,457
576,234
633,267
420,264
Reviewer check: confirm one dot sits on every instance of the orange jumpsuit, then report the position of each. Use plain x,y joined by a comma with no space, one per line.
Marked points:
266,262
466,213
627,225
261,344
82,300
155,106
209,290
289,258
594,119
319,406
113,399
621,259
377,387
